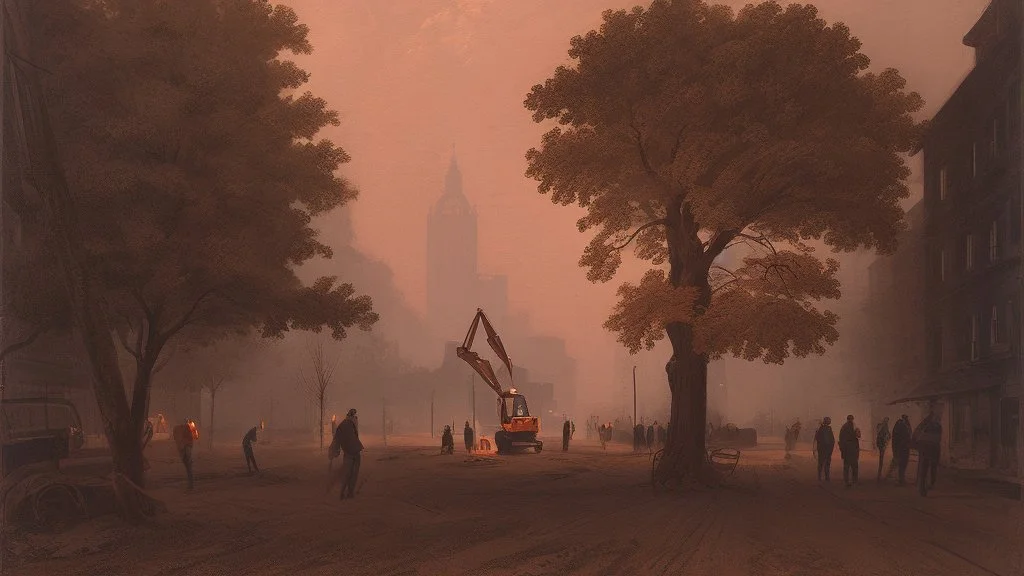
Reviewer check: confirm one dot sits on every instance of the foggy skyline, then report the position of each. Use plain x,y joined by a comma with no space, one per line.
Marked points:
411,78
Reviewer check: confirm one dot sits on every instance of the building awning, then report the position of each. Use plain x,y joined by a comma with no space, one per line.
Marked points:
930,393
968,381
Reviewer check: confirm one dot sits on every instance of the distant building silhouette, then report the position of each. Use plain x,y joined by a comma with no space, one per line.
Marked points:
452,280
455,289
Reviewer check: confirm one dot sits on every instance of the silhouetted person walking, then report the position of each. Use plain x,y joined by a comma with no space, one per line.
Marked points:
928,438
882,436
849,448
650,437
469,437
447,441
346,442
566,434
247,441
901,434
824,445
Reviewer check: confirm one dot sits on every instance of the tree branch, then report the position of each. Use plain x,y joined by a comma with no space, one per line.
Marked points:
187,317
762,240
160,365
718,243
724,269
124,338
137,294
660,221
733,280
25,343
724,285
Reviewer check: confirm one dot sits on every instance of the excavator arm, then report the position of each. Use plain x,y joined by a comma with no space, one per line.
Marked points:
483,367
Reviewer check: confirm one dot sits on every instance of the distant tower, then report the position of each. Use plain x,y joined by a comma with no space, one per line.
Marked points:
451,259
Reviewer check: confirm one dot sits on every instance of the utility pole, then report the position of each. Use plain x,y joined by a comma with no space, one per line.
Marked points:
472,389
634,396
384,420
431,413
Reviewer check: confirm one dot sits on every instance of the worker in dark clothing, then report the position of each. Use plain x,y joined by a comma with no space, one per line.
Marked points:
901,434
601,435
346,442
247,441
447,441
572,429
882,436
928,439
650,437
849,448
824,445
468,437
566,433
185,436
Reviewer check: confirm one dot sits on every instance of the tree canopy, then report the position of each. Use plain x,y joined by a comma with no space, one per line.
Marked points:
195,180
194,170
690,130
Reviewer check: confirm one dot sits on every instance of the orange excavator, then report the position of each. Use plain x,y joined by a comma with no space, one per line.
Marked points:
518,429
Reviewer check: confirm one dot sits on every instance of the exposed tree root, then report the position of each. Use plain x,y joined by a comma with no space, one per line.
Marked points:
672,471
133,503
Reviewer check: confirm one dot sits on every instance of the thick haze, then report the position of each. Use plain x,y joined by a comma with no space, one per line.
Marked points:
412,78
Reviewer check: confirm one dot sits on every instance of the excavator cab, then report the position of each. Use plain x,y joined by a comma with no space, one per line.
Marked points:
513,406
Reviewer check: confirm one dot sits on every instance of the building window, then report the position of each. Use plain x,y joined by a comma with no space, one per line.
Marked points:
969,252
975,351
993,241
943,184
995,335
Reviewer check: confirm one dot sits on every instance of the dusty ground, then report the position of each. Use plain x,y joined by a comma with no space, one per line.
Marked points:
584,512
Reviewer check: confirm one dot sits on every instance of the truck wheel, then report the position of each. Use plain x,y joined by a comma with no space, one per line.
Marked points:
537,449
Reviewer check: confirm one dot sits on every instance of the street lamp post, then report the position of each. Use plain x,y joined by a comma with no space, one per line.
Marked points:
634,395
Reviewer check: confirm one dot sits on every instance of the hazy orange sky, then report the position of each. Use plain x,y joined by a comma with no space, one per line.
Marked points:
413,77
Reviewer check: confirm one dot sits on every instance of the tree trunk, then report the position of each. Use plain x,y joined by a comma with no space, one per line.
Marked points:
37,147
686,448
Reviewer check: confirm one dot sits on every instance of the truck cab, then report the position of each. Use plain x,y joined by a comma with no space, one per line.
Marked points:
36,430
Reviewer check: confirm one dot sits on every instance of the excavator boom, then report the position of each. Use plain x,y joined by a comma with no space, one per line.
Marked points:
518,429
483,367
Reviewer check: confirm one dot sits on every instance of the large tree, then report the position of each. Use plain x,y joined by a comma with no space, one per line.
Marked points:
184,175
689,129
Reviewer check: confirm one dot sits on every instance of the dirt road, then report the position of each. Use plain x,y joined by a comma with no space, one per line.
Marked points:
587,511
